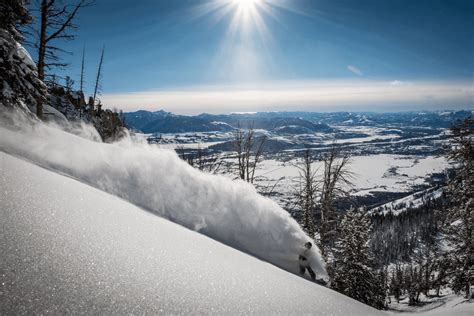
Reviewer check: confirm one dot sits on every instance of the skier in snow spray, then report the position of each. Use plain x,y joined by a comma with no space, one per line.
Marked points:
304,262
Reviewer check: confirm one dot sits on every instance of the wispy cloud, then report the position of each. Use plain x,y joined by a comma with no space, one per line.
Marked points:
355,70
399,82
300,95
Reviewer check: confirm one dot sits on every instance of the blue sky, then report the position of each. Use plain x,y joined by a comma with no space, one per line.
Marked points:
192,56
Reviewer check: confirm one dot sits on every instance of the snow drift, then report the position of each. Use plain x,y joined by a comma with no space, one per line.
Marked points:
157,180
68,248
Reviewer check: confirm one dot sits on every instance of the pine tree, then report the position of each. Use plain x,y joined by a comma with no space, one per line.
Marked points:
396,282
19,82
68,84
354,274
460,218
440,280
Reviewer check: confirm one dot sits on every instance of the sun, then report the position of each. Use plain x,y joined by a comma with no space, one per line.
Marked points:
246,4
246,48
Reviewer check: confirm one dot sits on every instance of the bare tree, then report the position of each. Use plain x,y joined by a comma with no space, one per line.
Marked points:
81,88
306,192
181,153
56,22
269,188
97,86
210,163
336,180
249,151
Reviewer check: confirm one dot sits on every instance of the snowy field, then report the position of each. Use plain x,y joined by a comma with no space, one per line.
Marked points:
384,172
173,146
68,248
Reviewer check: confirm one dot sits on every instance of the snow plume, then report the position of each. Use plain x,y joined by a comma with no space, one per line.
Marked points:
155,179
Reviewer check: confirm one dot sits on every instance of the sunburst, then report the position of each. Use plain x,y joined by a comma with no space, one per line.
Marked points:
248,37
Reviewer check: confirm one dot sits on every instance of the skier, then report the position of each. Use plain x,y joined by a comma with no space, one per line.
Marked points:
304,262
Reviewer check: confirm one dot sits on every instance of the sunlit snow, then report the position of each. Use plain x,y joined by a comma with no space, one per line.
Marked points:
157,180
68,248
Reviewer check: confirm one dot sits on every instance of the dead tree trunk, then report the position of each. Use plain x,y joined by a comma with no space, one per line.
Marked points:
82,69
56,21
42,40
99,72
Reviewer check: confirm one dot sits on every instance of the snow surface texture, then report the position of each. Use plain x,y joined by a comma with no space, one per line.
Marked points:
157,180
68,248
446,305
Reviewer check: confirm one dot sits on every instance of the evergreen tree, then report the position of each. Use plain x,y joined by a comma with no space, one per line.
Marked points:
354,275
460,217
396,282
19,83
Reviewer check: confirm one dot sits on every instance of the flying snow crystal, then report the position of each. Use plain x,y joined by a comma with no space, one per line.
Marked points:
155,179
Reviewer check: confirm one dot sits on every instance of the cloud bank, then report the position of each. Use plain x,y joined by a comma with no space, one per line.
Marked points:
301,95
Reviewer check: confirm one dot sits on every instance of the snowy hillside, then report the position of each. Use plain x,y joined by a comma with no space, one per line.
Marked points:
69,248
157,180
409,202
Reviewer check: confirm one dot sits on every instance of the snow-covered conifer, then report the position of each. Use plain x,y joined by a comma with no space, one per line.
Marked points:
19,83
354,275
460,217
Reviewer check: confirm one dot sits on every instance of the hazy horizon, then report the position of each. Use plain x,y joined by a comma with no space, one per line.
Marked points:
383,96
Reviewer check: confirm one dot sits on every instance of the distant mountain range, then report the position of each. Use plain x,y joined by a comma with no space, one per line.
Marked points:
284,122
166,122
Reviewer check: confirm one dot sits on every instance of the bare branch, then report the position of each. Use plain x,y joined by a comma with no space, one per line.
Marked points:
68,21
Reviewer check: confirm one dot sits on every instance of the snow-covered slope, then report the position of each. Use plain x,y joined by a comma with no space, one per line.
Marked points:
411,201
157,180
70,248
448,304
